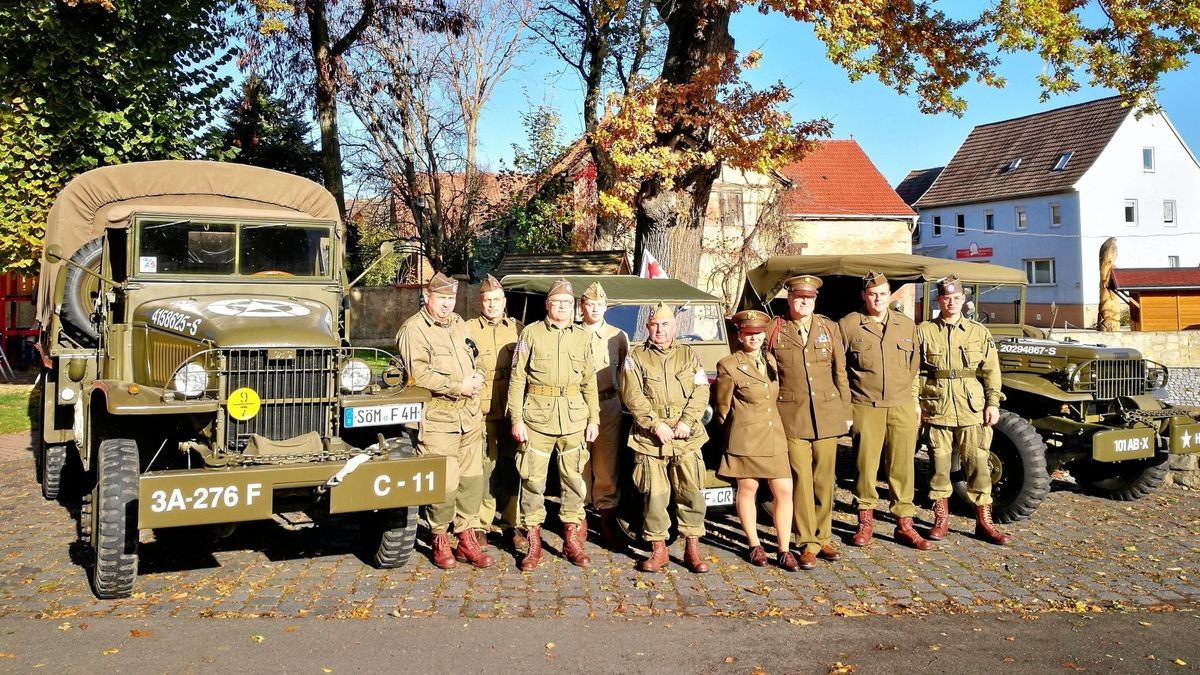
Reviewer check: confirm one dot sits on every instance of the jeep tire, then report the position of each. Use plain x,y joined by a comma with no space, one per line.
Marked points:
1020,481
114,532
390,535
1122,481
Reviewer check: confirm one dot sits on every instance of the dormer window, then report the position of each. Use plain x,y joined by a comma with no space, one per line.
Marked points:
1012,166
1062,161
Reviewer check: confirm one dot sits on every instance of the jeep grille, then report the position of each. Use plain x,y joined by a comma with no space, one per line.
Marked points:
1110,378
297,390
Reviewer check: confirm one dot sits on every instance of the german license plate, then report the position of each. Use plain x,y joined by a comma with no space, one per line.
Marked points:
1185,438
718,496
378,415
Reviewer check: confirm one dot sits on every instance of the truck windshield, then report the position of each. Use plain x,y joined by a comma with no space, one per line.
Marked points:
696,322
213,248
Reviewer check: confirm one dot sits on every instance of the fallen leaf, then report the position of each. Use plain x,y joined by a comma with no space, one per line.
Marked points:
140,633
7,655
1131,548
729,659
257,638
802,622
549,645
840,667
327,670
291,629
1145,623
842,610
1011,638
1180,662
66,625
110,651
1071,665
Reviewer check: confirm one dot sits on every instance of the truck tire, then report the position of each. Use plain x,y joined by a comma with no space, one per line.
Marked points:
78,290
114,531
1122,481
1020,481
391,534
52,469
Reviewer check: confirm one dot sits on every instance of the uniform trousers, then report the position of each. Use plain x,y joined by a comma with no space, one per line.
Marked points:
973,444
533,463
812,497
464,479
889,434
600,473
658,478
500,479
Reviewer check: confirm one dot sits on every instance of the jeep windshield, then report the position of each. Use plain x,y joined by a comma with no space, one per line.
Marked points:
695,322
212,248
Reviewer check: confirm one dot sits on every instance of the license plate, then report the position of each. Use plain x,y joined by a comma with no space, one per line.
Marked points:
378,415
718,496
1117,445
1185,438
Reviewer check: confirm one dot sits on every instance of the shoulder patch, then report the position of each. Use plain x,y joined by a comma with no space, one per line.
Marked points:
701,376
628,363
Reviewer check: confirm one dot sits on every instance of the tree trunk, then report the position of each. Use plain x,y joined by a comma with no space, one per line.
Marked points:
597,48
326,95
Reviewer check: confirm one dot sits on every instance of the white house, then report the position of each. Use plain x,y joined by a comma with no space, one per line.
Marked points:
1043,192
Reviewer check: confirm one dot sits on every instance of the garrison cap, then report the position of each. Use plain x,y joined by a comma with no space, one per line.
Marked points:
805,285
950,284
662,312
595,292
490,283
442,285
873,279
751,321
561,287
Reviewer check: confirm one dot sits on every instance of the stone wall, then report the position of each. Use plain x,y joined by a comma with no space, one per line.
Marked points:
1174,349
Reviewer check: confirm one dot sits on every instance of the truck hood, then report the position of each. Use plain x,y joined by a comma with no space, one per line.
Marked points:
242,320
1075,351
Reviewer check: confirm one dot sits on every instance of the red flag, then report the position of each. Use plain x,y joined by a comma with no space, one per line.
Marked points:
651,268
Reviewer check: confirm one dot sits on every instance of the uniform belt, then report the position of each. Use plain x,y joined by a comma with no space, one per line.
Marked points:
605,395
669,413
540,390
953,374
443,402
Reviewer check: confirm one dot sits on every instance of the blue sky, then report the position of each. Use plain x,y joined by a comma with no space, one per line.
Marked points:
889,127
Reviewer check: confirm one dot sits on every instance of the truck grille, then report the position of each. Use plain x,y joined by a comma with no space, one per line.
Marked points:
1111,378
296,387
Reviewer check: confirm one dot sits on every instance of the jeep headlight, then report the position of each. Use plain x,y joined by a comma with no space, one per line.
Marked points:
191,380
1156,378
355,376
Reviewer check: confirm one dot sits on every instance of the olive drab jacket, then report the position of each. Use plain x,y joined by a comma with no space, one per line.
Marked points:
495,341
960,372
552,387
438,358
664,385
881,359
610,346
814,395
744,403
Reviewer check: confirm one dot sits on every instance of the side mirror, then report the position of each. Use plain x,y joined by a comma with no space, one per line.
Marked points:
385,249
54,253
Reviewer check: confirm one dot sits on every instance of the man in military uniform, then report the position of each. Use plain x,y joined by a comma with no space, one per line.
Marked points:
610,346
554,409
814,401
960,402
495,335
665,388
882,365
433,346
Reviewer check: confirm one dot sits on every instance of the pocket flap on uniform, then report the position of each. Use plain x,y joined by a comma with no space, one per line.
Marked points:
786,396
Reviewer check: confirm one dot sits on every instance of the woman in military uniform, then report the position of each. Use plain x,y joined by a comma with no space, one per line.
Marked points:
756,446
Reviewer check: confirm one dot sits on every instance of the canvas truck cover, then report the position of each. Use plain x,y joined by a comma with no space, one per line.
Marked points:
766,280
621,289
106,197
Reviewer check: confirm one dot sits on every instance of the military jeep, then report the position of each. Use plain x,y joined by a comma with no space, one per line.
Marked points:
1094,410
196,370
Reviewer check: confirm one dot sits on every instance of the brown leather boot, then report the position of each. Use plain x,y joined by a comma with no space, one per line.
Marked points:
573,538
691,556
866,528
516,536
533,557
610,533
907,534
442,556
658,557
941,519
985,530
468,550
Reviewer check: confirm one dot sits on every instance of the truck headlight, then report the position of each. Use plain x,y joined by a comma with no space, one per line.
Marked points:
191,380
355,376
1156,378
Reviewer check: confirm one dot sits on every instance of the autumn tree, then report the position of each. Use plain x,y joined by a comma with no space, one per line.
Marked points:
86,83
263,130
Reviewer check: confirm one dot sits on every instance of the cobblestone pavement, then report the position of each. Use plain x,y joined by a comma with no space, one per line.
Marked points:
1078,554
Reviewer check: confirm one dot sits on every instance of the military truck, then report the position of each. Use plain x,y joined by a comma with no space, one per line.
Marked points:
701,324
196,367
1095,410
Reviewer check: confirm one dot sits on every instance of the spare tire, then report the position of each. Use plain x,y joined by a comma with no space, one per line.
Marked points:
79,295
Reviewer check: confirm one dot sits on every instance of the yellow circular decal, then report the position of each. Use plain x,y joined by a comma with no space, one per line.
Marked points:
243,403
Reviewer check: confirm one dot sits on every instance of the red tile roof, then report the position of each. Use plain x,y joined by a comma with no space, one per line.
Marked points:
1147,278
838,179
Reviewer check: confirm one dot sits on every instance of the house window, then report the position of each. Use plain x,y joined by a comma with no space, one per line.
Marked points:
1022,223
960,223
1169,212
1055,215
1040,271
1062,161
1148,159
989,220
937,226
730,204
1131,212
1172,261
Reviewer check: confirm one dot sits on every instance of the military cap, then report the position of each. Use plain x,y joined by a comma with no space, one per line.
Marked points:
490,283
950,284
805,285
873,279
751,321
442,285
595,292
662,312
561,287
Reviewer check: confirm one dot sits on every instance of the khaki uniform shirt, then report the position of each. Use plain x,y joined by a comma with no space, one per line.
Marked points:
960,372
549,358
814,395
610,346
664,385
495,340
744,402
437,358
881,359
